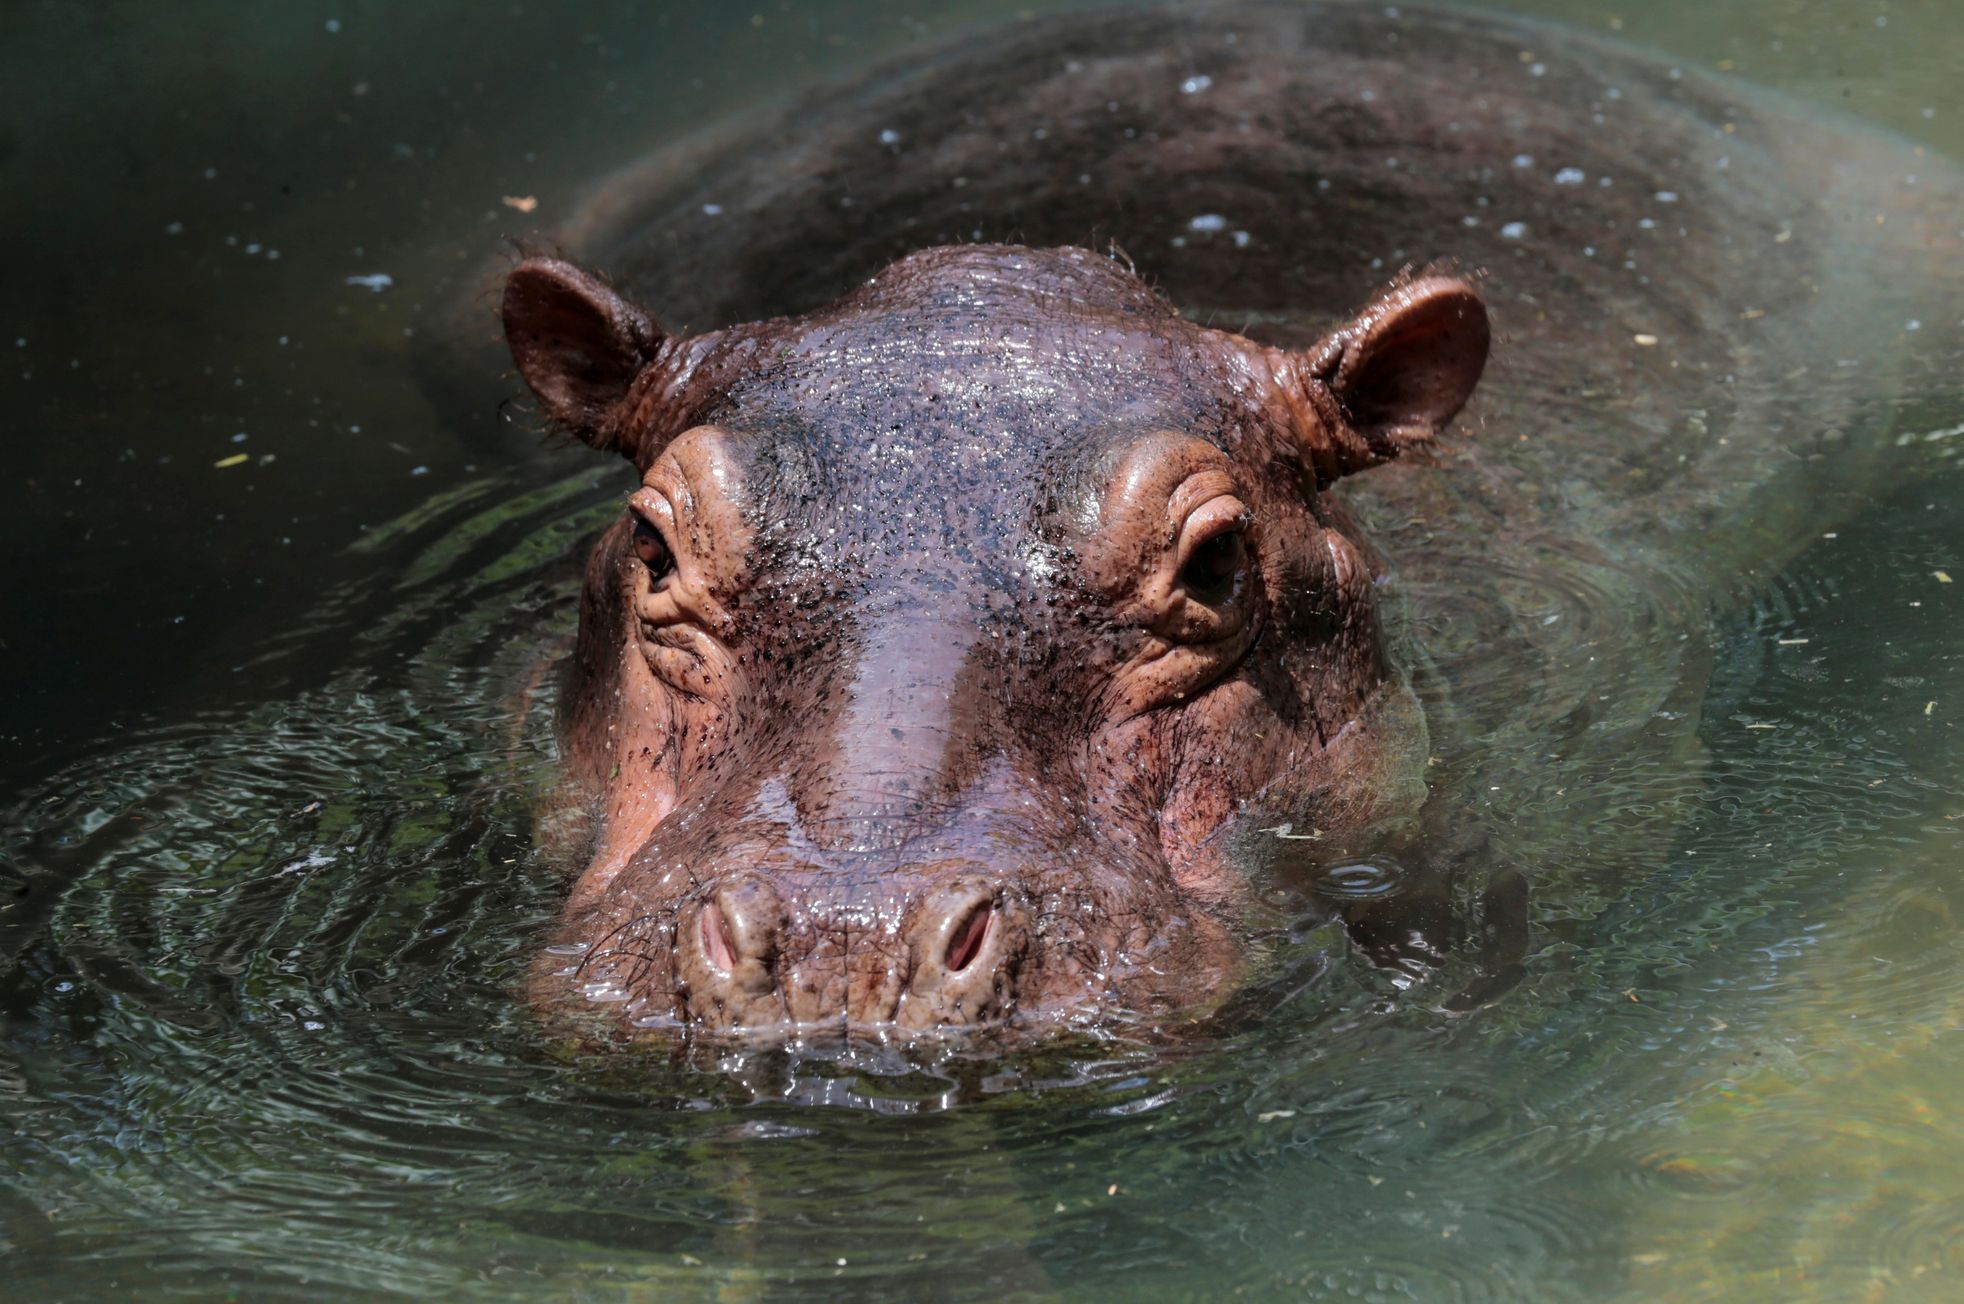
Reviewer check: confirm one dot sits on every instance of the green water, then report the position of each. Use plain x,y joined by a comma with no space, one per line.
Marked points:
266,850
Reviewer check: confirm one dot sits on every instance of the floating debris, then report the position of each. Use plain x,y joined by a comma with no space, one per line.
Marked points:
523,203
235,459
1645,341
376,281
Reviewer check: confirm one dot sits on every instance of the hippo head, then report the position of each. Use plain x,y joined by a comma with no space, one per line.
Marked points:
947,624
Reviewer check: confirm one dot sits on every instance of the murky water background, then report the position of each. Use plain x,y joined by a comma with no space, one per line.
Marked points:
265,839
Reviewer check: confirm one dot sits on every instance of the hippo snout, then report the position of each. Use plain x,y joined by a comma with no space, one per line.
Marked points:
753,958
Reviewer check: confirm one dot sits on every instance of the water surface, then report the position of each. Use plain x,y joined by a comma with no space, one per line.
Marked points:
273,729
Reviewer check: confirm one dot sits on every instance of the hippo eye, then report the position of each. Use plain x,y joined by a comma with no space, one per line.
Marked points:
1211,569
650,548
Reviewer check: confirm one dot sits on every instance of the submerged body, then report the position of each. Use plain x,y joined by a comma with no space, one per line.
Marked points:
963,628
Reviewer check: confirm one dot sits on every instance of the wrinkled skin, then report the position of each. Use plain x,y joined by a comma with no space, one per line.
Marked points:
923,658
950,620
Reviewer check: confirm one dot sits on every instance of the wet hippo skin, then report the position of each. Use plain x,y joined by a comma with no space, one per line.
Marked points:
996,556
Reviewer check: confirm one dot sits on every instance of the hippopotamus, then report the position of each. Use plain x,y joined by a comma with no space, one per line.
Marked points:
1066,488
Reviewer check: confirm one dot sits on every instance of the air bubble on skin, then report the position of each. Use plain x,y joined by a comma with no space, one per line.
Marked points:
1513,230
1570,177
569,948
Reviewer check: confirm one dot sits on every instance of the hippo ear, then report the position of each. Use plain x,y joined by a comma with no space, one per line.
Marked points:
1402,369
577,344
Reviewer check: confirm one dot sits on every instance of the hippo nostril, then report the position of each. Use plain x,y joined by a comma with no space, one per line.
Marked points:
726,956
966,943
718,947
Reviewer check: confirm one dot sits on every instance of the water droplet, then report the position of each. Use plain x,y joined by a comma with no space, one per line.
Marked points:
1361,881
